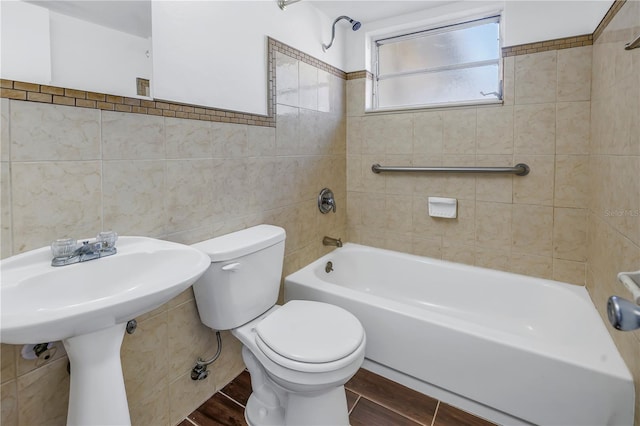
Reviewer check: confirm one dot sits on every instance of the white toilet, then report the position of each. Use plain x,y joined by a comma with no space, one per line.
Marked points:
300,354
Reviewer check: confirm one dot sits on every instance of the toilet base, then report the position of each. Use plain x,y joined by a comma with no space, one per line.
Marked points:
270,404
328,408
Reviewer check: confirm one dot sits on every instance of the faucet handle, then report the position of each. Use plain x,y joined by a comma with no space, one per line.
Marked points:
326,202
109,238
63,247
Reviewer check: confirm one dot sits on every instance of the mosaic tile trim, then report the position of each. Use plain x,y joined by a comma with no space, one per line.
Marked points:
32,92
359,74
301,56
613,10
543,46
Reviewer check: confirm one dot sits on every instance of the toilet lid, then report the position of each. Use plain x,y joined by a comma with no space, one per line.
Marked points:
312,332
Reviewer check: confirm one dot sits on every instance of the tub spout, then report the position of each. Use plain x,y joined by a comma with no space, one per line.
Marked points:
623,314
328,241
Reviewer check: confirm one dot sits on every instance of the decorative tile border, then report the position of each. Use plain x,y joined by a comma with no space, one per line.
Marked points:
63,96
32,92
543,46
359,74
615,7
301,56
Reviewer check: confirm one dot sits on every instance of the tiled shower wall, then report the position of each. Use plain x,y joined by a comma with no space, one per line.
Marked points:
69,171
614,173
535,225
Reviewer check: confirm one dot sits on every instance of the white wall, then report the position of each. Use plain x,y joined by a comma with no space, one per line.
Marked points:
214,53
525,21
44,47
25,51
91,57
529,21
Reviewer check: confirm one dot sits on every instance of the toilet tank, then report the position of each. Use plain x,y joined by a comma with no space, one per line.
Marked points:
243,280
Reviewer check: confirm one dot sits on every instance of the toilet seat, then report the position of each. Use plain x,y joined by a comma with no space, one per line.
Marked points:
310,336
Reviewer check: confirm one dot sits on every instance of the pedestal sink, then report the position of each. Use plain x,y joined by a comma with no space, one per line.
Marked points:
87,306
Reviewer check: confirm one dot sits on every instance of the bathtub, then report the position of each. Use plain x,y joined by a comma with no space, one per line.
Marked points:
510,348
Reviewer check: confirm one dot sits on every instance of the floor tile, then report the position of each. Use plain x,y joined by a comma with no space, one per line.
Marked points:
219,411
368,413
451,416
372,400
401,399
352,398
239,389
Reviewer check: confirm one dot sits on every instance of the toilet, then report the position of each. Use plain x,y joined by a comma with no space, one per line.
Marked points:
300,354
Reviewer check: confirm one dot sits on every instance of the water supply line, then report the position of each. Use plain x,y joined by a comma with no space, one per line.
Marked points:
199,371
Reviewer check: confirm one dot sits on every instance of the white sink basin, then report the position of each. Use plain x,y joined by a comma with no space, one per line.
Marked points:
42,303
87,305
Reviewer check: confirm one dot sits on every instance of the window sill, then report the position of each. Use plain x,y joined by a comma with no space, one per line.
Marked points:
432,107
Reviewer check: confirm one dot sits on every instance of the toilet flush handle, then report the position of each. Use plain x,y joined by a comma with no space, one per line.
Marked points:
232,267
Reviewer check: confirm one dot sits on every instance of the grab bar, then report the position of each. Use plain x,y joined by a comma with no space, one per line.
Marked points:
632,44
631,280
520,169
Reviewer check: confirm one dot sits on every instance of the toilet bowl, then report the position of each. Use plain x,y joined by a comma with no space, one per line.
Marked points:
300,354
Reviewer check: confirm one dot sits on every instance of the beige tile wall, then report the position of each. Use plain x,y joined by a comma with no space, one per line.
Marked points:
613,231
535,224
69,171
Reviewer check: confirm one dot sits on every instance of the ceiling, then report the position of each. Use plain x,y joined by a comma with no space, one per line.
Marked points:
134,16
369,11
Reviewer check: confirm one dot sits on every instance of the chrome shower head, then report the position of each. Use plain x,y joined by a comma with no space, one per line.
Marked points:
355,26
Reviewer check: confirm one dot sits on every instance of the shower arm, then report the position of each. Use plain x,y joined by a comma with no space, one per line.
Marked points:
326,47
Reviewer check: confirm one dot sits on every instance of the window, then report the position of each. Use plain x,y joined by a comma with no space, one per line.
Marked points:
455,64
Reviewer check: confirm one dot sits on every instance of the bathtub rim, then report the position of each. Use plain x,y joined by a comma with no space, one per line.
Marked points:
620,369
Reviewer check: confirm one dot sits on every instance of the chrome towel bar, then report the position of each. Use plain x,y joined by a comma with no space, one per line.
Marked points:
633,44
520,169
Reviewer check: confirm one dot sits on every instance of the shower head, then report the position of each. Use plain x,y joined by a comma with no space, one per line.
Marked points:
355,26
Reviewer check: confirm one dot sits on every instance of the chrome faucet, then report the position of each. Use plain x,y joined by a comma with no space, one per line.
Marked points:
67,251
623,314
328,241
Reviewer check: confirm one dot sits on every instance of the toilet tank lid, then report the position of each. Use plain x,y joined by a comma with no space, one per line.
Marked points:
241,243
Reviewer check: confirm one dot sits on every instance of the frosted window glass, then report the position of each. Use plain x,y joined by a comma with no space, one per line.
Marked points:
445,65
466,45
447,86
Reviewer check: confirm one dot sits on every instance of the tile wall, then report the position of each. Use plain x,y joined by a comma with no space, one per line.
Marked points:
535,225
69,171
613,231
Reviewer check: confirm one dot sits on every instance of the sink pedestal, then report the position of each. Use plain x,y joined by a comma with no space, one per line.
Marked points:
97,394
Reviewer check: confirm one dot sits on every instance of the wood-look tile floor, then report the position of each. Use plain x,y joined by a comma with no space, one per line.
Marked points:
372,400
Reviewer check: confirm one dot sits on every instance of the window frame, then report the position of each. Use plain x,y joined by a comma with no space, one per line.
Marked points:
433,29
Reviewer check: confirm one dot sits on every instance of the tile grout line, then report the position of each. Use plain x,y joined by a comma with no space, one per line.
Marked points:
227,396
191,421
354,404
435,413
396,411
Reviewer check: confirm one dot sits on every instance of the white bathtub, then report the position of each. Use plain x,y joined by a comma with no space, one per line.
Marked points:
511,348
